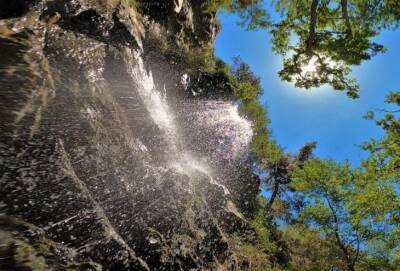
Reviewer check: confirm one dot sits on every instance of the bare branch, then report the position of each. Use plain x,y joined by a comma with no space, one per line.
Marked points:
385,110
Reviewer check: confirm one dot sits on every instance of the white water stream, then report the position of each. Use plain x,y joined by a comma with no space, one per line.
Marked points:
222,117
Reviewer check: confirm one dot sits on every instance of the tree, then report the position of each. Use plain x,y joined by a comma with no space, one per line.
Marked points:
351,214
309,251
353,209
331,36
251,13
387,150
278,177
383,164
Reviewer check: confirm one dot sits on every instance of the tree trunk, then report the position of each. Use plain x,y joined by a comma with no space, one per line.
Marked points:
310,43
350,264
273,195
347,257
345,15
351,267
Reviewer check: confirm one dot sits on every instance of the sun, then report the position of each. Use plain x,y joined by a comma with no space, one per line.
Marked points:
310,68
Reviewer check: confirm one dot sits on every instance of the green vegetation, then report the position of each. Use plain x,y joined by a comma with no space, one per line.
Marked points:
349,215
320,41
251,12
350,211
336,217
356,210
332,216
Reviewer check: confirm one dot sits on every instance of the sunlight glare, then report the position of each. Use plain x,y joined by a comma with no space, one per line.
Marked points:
310,68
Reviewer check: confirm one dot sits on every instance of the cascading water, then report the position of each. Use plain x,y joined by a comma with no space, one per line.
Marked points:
222,131
228,133
103,163
154,101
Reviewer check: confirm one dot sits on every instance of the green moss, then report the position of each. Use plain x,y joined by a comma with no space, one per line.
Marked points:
199,59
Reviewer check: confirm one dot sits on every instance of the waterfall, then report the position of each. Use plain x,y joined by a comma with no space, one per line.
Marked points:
102,162
223,132
154,101
230,136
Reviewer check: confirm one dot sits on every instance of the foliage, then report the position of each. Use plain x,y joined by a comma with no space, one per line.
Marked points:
334,217
330,36
308,251
195,59
279,172
262,227
268,244
337,217
385,153
251,13
355,210
349,215
250,257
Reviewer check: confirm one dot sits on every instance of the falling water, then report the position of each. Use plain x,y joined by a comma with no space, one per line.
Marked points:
97,157
222,130
154,101
230,136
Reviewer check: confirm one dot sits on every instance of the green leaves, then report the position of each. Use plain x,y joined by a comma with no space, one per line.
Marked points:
323,35
393,98
385,153
350,215
338,33
355,207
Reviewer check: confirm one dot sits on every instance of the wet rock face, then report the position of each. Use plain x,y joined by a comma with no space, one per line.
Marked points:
25,247
15,8
82,160
212,86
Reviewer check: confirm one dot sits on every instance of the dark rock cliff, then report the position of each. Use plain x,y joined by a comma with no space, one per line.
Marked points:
77,191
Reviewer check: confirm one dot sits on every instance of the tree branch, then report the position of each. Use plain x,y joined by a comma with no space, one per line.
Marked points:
357,251
386,111
273,195
349,262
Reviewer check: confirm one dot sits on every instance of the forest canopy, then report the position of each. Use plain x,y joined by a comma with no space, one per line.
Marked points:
320,41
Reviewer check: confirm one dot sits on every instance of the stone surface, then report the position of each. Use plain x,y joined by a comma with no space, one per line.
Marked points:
82,160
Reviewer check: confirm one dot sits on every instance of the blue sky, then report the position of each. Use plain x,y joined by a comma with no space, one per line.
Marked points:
323,115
